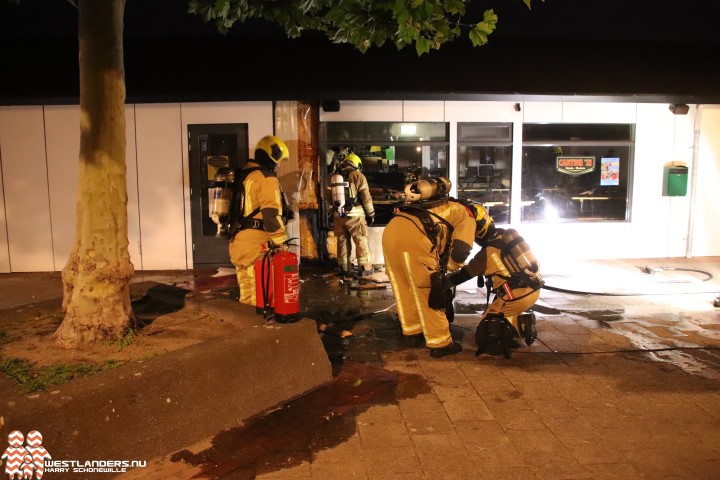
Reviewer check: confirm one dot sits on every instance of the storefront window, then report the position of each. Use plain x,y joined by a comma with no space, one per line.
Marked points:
485,166
576,172
393,154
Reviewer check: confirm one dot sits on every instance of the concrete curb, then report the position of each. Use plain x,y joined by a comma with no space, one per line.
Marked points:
144,409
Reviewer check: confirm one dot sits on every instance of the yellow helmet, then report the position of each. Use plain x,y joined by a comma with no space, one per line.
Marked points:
274,148
355,160
483,222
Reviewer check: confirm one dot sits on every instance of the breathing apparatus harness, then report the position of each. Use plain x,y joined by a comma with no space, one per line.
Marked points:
439,299
519,262
236,220
344,196
431,228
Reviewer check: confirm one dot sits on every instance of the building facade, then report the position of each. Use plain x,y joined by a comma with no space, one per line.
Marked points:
581,179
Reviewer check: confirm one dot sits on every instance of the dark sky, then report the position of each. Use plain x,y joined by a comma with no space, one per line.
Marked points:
649,20
562,47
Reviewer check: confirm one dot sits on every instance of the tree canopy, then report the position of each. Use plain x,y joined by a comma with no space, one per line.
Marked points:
426,24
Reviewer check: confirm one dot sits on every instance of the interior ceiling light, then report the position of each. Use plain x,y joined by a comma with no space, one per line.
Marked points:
408,129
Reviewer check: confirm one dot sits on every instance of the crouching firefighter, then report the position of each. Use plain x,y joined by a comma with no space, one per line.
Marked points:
429,235
258,213
512,275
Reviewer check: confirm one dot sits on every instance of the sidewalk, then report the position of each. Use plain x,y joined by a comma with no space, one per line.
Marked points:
617,387
623,384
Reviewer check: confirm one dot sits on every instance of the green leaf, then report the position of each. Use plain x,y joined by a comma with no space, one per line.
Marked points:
222,7
477,37
422,45
455,6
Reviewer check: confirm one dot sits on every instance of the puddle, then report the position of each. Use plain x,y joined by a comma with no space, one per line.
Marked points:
296,432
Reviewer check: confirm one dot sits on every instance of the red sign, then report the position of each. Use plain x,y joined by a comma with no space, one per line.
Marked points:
575,165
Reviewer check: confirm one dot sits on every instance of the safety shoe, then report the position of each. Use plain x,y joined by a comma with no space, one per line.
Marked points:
451,349
528,330
413,341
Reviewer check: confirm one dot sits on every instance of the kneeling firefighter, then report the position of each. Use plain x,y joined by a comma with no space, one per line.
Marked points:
512,274
429,233
259,212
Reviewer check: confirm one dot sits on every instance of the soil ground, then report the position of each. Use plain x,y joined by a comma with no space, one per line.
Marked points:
163,325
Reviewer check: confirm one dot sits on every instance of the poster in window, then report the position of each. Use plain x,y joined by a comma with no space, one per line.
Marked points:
609,171
214,162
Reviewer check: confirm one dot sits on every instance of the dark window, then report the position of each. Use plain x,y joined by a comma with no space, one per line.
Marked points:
573,172
485,166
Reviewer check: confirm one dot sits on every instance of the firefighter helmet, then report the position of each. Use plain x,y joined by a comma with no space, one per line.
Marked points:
355,160
483,222
347,158
271,149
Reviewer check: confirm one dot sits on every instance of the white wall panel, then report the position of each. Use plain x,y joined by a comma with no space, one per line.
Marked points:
62,134
419,111
25,185
559,242
651,211
258,116
596,112
362,111
160,186
133,212
706,234
4,252
542,112
481,112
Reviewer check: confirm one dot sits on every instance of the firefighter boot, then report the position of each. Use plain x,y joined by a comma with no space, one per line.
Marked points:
451,349
526,327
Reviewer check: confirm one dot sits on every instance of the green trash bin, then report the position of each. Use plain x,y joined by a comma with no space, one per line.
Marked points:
675,180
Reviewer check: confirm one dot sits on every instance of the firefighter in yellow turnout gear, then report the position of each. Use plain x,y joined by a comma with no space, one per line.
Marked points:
263,213
512,271
350,221
411,256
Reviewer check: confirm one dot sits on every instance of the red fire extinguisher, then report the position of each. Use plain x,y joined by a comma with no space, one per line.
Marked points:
277,286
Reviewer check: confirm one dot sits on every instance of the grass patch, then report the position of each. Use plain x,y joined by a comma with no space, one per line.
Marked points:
32,378
3,337
125,341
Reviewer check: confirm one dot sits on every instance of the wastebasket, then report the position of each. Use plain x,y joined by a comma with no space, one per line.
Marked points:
675,180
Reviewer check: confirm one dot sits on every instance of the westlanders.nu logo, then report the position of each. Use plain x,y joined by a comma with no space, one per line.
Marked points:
31,460
26,461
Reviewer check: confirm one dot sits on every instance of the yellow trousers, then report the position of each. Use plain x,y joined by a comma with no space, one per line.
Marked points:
347,230
525,298
245,248
409,261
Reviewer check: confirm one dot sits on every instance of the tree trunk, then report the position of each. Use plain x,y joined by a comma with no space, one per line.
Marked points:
96,278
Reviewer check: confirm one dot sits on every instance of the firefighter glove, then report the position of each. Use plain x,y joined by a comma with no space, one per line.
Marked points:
457,277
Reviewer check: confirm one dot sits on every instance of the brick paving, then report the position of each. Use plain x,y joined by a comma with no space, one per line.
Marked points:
616,387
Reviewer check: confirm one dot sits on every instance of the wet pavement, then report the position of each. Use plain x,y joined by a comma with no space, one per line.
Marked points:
622,383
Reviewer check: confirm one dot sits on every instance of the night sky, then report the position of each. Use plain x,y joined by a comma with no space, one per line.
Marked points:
560,47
